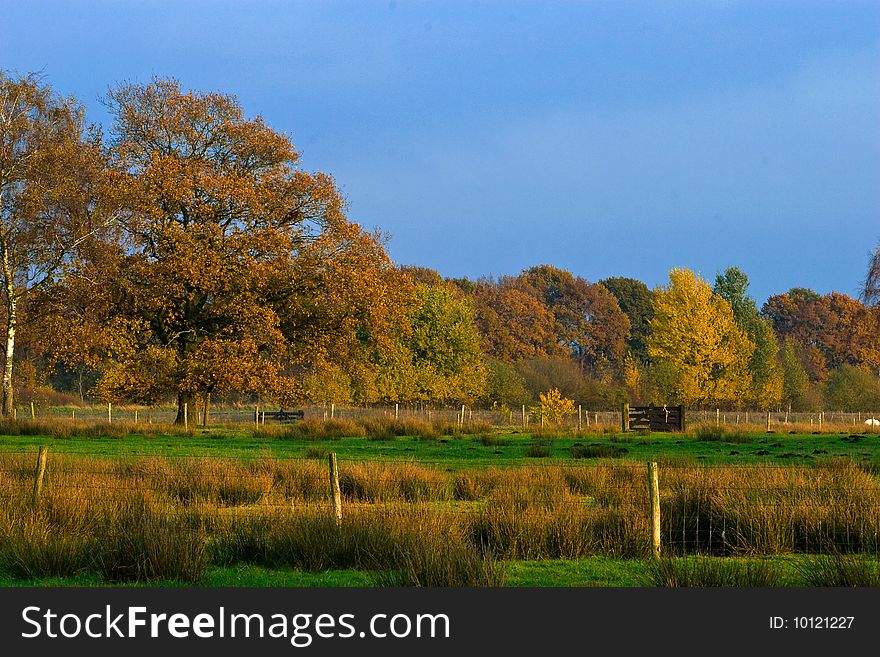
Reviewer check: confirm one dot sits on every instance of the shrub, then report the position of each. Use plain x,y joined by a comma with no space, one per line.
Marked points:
553,406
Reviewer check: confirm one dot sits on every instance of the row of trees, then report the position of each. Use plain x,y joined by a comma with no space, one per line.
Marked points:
687,342
185,253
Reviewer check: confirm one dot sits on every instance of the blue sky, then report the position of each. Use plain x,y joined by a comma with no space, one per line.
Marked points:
608,138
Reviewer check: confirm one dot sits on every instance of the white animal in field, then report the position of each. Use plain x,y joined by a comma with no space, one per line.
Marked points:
872,422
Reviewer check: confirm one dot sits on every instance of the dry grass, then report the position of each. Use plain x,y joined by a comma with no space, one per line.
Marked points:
61,428
166,519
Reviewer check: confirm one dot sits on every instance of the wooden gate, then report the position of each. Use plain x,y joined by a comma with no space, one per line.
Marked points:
652,418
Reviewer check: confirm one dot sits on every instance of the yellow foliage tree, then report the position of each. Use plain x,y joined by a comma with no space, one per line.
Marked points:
553,406
694,335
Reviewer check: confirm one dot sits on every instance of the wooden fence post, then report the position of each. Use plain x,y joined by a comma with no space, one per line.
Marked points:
335,492
654,486
135,416
524,416
40,474
257,416
33,415
768,421
109,413
624,418
579,417
332,410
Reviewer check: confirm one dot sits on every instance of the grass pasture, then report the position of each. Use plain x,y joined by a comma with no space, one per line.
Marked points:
442,444
225,507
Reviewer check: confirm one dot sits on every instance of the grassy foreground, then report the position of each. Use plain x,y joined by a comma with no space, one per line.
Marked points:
429,505
784,571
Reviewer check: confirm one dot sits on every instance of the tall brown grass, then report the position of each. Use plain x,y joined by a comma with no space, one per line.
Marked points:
168,519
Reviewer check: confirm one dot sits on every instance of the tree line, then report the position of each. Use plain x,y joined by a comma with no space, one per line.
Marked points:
183,252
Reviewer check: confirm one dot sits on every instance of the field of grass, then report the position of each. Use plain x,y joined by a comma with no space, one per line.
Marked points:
472,447
784,571
434,506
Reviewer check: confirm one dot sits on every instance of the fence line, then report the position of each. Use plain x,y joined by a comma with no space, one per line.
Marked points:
519,418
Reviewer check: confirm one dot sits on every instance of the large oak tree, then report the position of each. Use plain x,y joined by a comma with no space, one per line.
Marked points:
225,242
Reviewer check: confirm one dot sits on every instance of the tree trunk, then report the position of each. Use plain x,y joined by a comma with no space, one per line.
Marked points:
207,408
7,367
182,398
11,323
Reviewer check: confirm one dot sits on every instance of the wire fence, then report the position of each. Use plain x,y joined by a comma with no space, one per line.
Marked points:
523,417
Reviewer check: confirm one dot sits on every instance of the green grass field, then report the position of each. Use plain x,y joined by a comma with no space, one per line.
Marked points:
449,458
470,451
790,571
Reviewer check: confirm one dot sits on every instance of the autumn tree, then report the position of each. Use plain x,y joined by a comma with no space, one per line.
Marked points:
68,337
223,235
695,338
852,388
423,275
589,322
50,175
505,386
795,380
442,349
344,311
514,325
833,329
767,380
635,300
